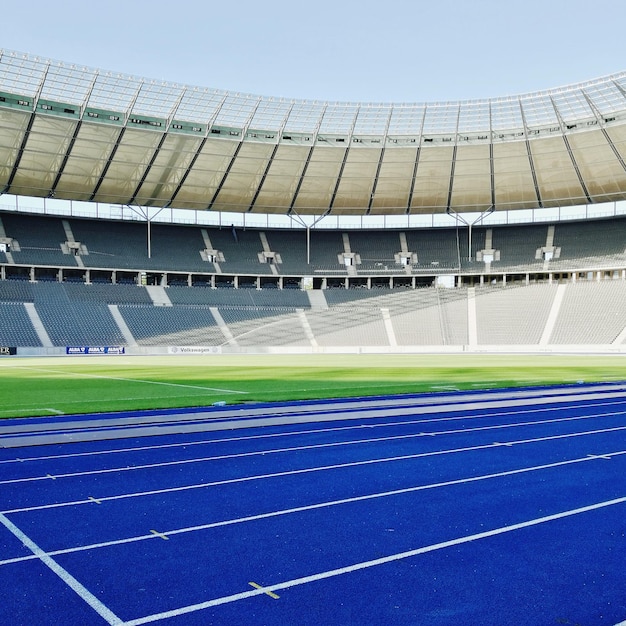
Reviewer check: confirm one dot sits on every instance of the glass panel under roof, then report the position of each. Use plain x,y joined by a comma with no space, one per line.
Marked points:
474,117
339,119
24,74
406,119
506,114
157,99
607,97
69,84
199,105
441,118
372,120
20,73
304,117
114,92
237,110
539,110
271,114
572,105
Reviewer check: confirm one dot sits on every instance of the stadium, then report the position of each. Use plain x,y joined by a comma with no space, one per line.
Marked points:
461,263
188,274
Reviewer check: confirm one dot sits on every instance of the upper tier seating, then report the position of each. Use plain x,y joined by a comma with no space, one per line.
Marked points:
177,248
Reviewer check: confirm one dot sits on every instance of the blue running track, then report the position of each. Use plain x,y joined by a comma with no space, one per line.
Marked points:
480,508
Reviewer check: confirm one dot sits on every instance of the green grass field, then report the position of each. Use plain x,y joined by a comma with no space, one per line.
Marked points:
49,386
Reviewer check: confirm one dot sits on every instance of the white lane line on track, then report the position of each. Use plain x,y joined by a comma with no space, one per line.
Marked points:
375,410
10,437
372,563
315,431
128,468
307,470
62,573
130,380
318,505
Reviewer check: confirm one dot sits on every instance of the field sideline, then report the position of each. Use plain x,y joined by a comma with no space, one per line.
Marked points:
67,385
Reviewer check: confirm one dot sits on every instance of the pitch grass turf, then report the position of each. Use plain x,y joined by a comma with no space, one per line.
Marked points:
66,385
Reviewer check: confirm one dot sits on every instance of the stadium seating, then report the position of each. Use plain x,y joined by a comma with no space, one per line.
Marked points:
591,312
543,303
169,326
176,249
16,327
513,315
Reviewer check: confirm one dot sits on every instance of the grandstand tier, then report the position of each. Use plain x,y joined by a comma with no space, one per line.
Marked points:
127,252
537,316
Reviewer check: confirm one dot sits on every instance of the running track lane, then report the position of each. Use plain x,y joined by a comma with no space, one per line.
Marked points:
527,547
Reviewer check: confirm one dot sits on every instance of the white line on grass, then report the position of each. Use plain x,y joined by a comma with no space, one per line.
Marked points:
319,505
371,563
62,573
334,444
131,380
308,470
29,409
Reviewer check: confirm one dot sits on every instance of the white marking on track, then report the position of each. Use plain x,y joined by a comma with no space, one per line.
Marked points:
337,429
318,505
62,573
323,430
223,457
372,563
269,593
156,533
308,470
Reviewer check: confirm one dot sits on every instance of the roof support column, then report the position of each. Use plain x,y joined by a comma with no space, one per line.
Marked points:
460,218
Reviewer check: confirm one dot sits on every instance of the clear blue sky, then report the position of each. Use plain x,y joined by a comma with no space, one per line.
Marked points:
354,50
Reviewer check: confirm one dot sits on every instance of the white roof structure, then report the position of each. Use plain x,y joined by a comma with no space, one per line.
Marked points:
76,133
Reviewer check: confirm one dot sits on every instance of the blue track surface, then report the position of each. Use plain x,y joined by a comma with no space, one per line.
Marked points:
479,508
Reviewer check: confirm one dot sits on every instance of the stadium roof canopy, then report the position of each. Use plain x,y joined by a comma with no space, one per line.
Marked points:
75,133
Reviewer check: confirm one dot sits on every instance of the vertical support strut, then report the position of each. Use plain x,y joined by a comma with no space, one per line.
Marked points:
460,218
